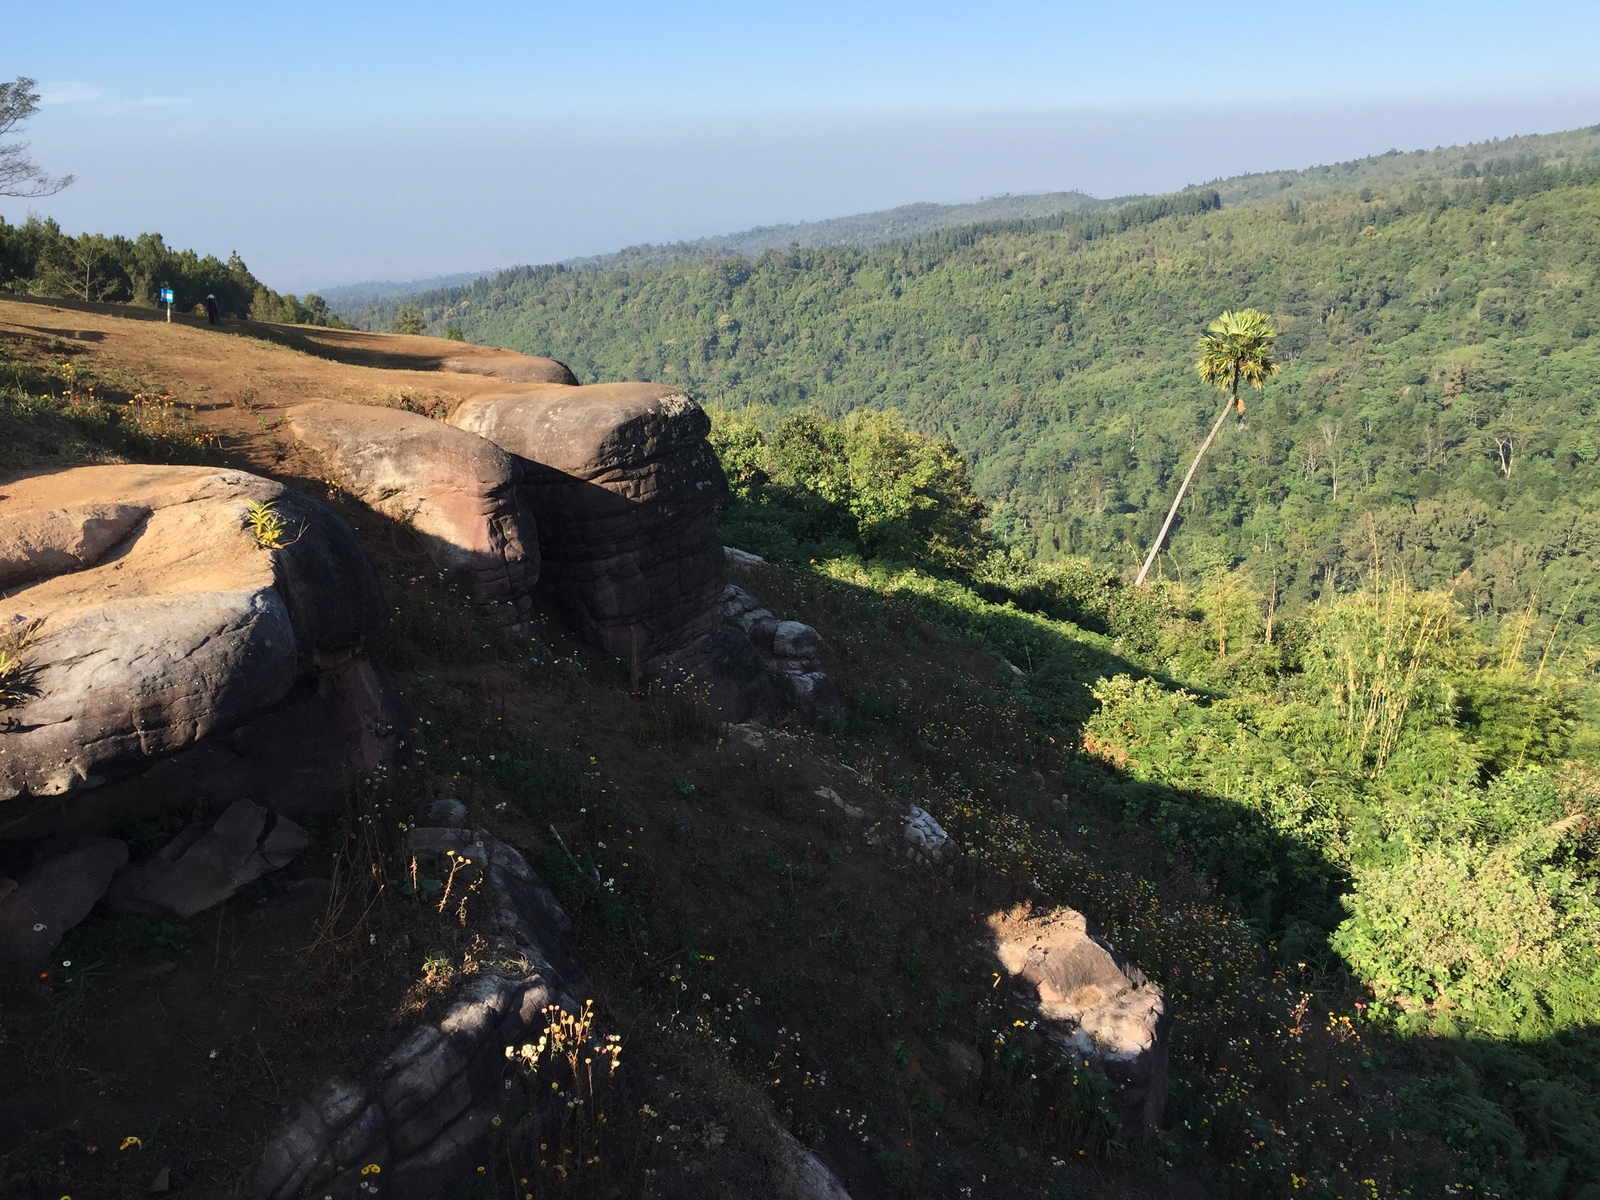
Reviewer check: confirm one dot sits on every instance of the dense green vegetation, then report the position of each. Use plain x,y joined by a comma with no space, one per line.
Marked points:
1390,798
1436,408
1360,695
37,259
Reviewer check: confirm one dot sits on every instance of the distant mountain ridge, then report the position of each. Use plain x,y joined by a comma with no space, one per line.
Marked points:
860,229
359,295
1498,156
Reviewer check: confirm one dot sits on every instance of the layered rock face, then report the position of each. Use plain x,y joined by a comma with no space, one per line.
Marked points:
1095,1005
457,490
626,490
424,1113
147,616
789,652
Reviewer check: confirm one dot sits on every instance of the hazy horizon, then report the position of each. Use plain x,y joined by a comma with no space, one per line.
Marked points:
376,143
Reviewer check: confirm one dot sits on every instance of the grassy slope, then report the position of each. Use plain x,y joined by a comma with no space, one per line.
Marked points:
739,888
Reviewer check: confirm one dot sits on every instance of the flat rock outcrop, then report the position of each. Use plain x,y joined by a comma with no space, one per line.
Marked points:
456,489
627,492
1093,1004
509,365
147,616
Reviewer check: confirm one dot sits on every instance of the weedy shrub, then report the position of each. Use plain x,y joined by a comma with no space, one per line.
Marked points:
555,1134
680,711
16,676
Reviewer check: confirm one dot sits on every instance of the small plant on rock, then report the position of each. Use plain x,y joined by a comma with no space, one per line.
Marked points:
266,523
16,676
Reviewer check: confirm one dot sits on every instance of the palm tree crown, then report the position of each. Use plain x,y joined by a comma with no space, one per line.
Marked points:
1237,348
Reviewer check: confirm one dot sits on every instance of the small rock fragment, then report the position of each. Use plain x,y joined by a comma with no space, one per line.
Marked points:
928,837
202,867
54,895
1094,1005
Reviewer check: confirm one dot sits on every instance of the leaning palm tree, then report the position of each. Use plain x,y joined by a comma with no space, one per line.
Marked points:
1237,348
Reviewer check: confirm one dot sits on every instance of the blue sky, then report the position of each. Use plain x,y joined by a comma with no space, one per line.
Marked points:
337,141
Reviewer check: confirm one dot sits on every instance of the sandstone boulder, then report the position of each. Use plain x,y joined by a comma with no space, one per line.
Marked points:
296,757
457,490
156,618
54,894
1094,1005
507,364
627,492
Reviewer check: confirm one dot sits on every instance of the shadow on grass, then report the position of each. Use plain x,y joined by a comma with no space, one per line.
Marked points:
1520,1115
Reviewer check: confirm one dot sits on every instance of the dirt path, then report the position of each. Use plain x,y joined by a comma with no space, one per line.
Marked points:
227,375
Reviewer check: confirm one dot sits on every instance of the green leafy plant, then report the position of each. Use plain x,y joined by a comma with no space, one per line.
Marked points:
266,524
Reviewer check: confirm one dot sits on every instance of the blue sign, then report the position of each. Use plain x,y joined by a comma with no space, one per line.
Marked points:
166,295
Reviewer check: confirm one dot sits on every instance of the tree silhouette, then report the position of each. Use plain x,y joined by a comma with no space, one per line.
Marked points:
19,174
1236,348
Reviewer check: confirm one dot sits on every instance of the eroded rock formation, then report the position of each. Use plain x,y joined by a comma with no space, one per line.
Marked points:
789,652
155,618
626,490
1094,1005
457,490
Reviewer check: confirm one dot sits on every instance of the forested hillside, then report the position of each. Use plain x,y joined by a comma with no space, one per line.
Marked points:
861,229
1502,156
1436,409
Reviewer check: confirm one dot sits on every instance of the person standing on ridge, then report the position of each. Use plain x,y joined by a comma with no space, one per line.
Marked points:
212,315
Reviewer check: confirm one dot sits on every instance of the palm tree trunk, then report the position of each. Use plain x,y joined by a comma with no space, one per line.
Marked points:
1161,537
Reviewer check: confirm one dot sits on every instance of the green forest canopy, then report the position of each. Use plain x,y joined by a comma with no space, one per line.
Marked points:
37,259
1436,409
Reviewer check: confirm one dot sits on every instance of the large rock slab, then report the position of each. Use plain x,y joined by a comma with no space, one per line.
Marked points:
1094,1005
203,866
156,618
54,894
507,364
456,489
627,492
